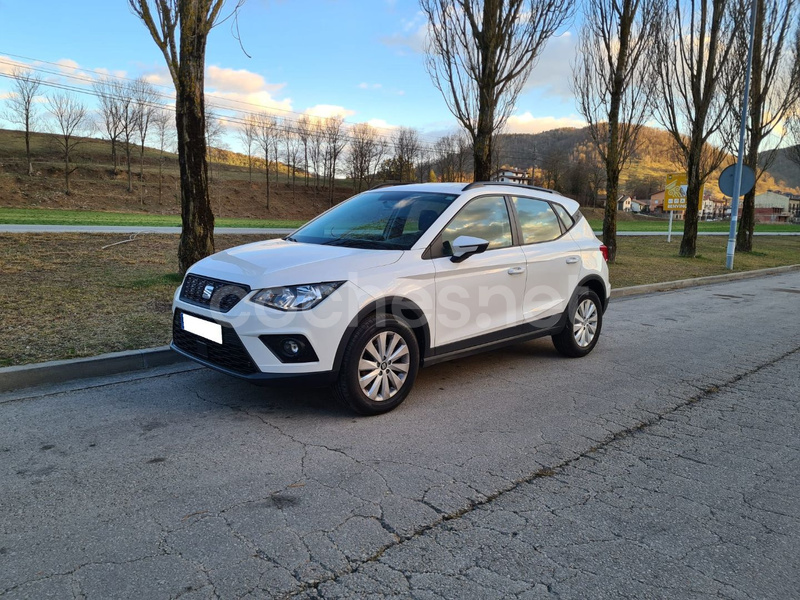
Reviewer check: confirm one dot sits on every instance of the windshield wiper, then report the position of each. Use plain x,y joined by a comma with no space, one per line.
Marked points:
362,243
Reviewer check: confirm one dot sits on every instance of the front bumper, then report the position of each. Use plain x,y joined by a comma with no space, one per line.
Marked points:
318,379
244,354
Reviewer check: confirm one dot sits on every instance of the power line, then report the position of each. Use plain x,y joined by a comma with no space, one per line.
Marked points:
238,117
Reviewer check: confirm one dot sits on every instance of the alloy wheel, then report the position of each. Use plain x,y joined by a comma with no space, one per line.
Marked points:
585,323
383,367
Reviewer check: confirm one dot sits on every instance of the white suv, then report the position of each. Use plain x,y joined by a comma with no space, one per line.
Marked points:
394,279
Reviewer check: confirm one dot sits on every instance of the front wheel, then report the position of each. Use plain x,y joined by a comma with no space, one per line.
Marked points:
584,322
379,366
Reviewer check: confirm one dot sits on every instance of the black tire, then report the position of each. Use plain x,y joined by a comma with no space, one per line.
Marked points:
573,341
388,395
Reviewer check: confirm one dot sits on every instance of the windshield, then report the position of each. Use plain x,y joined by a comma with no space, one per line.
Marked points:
383,220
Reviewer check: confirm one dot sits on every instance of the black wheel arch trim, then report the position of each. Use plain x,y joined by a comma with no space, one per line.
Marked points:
595,281
397,306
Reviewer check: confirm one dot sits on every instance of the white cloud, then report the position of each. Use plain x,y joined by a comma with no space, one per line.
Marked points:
8,65
552,73
381,124
369,86
324,111
67,66
243,90
527,123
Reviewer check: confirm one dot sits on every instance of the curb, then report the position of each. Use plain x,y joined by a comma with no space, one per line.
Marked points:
61,371
668,286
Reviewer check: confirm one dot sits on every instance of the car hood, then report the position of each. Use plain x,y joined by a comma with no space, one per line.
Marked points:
279,262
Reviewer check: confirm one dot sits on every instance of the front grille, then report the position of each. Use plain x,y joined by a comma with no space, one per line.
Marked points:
231,354
212,293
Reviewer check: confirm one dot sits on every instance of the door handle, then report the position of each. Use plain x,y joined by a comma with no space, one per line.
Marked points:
516,270
572,260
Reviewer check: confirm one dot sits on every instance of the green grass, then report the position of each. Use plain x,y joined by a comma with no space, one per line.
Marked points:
677,226
44,216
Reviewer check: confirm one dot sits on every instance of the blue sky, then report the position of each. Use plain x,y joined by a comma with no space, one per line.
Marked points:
359,58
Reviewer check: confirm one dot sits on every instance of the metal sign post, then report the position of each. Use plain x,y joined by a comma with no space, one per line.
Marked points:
669,231
737,180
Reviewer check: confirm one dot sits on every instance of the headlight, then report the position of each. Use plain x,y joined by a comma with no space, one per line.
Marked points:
296,297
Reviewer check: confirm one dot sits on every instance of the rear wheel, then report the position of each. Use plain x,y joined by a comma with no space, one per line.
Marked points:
584,322
379,366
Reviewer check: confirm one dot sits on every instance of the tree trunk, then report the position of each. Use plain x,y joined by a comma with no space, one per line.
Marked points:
128,160
28,149
266,163
693,199
744,236
197,237
67,190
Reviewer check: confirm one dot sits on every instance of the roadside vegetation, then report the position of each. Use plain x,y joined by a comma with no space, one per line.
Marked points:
41,216
66,296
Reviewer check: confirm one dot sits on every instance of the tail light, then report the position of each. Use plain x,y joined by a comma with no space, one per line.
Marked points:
604,250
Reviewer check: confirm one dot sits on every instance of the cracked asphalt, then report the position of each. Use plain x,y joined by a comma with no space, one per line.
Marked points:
664,465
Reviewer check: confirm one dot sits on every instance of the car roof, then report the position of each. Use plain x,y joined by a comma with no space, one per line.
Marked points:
496,186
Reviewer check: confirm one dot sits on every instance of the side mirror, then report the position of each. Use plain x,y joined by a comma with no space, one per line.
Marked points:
465,246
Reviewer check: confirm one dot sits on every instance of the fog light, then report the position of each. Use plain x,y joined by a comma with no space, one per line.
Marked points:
291,348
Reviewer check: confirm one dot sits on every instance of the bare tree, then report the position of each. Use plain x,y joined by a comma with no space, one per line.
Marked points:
265,135
248,134
291,144
108,91
793,130
335,143
317,150
774,90
695,45
480,53
304,133
71,120
613,80
407,149
215,131
22,108
163,124
144,98
366,151
444,150
185,57
128,115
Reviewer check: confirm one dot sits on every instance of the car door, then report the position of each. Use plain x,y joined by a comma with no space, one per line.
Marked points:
552,259
482,294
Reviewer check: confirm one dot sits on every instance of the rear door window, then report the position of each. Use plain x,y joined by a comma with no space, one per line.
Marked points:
537,220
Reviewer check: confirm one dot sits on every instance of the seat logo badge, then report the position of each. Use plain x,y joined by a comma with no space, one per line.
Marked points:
208,291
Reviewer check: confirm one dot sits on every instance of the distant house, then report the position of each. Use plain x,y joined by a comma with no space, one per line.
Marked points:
794,207
771,207
511,175
638,206
624,203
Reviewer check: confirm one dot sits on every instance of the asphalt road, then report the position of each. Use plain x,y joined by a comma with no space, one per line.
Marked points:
677,232
665,464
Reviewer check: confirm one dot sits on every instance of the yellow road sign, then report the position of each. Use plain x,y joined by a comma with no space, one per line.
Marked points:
675,191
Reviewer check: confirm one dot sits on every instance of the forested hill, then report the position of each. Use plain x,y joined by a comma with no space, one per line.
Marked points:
565,159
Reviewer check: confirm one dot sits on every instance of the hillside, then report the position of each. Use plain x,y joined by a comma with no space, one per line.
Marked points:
97,186
782,168
570,150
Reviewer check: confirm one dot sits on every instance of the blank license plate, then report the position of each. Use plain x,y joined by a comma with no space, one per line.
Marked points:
207,329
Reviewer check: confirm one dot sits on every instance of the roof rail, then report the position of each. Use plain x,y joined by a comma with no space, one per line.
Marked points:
387,184
477,184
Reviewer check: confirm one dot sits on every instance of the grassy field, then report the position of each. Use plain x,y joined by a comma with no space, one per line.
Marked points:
44,216
64,296
677,226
